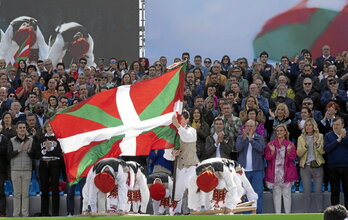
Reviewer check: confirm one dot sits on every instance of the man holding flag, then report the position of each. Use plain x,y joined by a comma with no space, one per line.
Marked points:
130,120
186,160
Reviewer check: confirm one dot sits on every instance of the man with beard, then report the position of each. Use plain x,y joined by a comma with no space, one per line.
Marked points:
282,98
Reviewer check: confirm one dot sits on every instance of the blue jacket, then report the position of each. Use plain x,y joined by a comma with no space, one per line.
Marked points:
337,152
258,145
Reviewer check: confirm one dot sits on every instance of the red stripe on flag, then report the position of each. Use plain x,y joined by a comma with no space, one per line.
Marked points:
149,141
76,125
73,159
335,35
292,16
143,93
106,101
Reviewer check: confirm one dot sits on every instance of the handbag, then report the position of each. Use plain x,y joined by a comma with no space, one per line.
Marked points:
314,164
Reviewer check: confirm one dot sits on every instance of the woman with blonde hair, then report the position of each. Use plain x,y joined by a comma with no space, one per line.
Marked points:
279,116
251,103
281,172
310,150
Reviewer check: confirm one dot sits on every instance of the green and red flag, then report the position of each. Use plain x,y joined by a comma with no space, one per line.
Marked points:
130,120
303,27
23,51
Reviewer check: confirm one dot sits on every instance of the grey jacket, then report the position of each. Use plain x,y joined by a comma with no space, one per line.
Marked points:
258,145
20,160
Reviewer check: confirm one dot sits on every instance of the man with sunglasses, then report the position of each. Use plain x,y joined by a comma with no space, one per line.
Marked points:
308,102
307,91
82,64
334,93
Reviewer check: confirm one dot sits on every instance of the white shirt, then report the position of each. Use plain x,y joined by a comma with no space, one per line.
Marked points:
218,155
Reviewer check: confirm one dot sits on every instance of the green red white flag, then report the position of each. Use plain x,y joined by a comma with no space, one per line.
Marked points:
303,27
22,53
130,120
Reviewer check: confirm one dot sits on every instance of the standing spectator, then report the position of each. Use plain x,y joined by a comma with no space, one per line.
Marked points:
47,150
7,126
218,144
252,114
254,90
202,128
280,116
251,103
310,148
250,147
232,125
52,106
3,173
336,143
52,90
326,56
281,171
307,91
20,153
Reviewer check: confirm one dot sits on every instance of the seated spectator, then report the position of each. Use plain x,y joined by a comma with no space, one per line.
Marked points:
281,173
252,114
202,128
284,68
251,103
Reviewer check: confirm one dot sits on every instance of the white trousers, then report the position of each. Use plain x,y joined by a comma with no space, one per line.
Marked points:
278,192
181,184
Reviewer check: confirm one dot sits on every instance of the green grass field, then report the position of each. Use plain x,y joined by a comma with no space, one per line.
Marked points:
202,217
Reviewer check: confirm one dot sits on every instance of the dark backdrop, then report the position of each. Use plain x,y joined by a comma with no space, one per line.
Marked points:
113,24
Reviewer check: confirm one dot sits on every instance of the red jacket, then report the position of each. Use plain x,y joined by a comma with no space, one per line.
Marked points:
290,172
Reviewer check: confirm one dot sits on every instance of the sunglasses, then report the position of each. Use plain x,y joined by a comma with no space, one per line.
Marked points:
307,103
332,83
97,80
11,96
307,84
71,85
207,62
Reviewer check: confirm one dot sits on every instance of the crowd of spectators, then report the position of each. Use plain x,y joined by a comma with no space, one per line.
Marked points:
299,107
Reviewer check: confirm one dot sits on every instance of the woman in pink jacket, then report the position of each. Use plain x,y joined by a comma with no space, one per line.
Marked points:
281,172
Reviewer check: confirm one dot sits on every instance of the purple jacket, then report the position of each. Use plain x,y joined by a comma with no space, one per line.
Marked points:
290,173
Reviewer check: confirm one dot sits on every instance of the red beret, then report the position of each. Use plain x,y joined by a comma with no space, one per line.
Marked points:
79,48
207,181
105,182
157,191
22,34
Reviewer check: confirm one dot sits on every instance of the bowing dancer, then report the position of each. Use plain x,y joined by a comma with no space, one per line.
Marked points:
108,178
160,186
186,159
213,186
138,195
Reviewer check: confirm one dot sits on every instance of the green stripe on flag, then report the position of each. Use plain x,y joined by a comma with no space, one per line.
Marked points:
161,102
168,134
290,39
94,154
93,113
